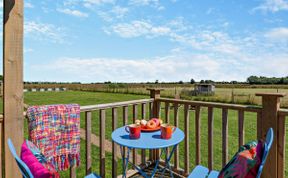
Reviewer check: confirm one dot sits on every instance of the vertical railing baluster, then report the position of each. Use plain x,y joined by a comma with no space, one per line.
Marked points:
73,171
167,120
88,116
135,116
102,117
114,145
176,121
197,134
151,156
125,121
1,146
224,136
210,137
186,131
281,146
240,127
143,115
259,125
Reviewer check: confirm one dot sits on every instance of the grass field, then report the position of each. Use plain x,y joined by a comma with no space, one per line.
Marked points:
91,98
222,94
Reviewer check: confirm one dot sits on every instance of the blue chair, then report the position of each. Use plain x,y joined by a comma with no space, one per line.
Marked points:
92,175
25,171
203,172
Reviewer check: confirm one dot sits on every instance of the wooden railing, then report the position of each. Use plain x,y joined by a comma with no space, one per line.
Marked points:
196,106
102,122
180,113
1,144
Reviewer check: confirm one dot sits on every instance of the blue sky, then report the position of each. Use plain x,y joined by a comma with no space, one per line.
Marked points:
145,40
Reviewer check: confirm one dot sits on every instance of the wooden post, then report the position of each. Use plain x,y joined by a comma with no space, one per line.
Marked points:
155,94
13,81
269,118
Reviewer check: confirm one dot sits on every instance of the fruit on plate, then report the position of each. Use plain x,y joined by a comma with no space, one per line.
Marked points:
156,120
160,121
137,122
143,122
151,124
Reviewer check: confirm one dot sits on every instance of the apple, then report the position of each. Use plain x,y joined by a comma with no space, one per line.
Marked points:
156,120
137,122
143,122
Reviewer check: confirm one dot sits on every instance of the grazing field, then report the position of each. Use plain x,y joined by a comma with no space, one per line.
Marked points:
91,98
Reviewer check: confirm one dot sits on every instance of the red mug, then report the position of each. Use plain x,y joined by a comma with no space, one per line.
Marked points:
167,131
133,130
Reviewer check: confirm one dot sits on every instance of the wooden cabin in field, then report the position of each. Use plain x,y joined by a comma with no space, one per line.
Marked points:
206,89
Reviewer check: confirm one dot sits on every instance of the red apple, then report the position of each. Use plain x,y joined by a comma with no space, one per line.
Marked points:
156,120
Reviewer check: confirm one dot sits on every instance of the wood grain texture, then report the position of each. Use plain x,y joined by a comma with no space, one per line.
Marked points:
135,116
210,138
186,146
13,82
102,116
270,107
176,123
240,128
143,116
281,146
212,104
114,145
197,134
1,148
73,171
88,116
224,136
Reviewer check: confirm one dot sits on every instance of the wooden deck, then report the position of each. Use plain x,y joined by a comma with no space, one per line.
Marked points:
148,170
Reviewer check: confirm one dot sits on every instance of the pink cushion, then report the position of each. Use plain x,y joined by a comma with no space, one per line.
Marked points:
37,165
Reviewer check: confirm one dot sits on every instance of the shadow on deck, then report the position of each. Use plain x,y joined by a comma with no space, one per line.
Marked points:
148,170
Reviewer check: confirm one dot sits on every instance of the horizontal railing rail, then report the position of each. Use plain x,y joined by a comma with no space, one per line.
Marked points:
111,105
175,104
157,106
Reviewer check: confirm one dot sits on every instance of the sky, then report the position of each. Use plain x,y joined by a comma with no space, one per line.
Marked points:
148,40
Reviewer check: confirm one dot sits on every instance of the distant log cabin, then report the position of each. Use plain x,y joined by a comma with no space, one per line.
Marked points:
205,89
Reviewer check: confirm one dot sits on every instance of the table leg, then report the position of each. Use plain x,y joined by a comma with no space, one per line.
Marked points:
125,160
167,161
157,163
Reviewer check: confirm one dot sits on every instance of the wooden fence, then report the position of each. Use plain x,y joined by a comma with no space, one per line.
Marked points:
164,108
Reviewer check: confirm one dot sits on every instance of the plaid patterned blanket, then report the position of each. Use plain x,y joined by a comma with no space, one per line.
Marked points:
55,129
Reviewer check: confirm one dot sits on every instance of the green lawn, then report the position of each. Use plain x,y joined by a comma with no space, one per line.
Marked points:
90,98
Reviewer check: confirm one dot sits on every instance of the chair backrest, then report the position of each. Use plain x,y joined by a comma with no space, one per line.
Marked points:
267,146
22,166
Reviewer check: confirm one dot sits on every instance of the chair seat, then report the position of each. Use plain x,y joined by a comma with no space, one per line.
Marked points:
202,172
199,172
92,175
213,174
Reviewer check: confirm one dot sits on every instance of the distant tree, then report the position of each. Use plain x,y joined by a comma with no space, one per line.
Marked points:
202,81
192,81
156,81
180,82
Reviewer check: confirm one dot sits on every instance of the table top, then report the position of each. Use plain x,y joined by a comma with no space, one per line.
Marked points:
147,140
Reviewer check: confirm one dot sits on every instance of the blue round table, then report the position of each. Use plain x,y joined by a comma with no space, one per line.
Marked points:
147,140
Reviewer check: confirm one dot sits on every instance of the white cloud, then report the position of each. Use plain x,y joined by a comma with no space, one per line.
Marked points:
278,34
91,3
75,13
116,12
169,68
139,28
43,31
272,6
28,5
152,3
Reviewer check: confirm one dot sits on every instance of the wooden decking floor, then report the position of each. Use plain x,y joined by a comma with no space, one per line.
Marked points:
149,171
